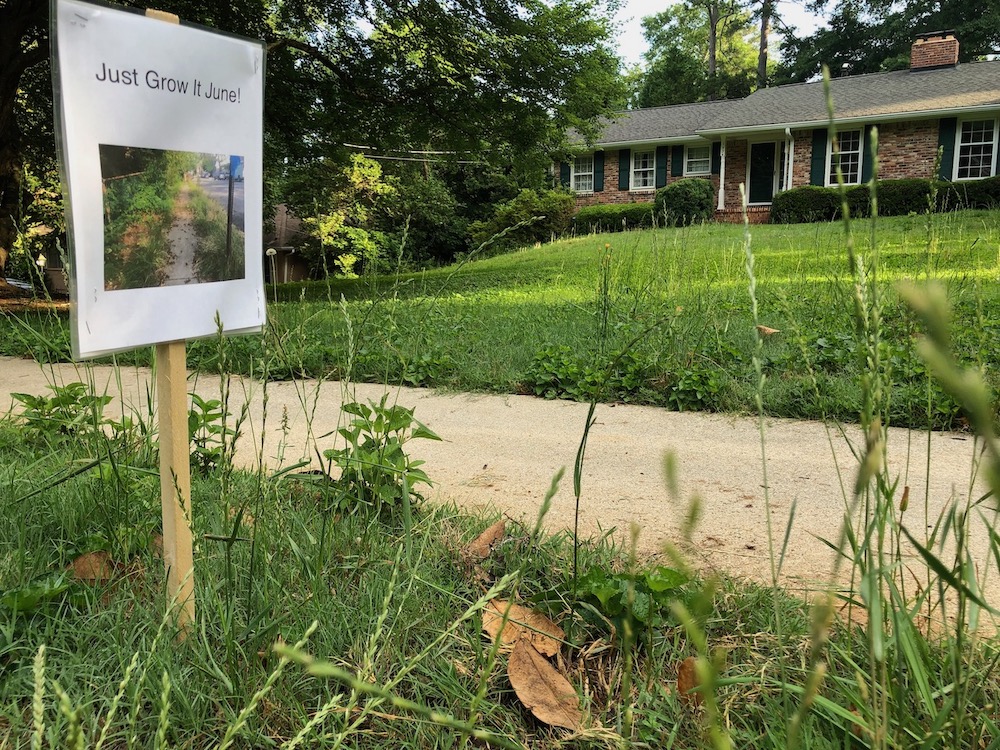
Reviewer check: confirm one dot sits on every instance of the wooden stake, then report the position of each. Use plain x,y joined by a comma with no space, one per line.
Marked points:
175,478
175,462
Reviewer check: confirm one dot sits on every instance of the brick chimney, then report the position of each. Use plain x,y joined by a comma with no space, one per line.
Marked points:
936,49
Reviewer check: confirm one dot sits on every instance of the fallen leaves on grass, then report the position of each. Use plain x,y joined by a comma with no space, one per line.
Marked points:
92,567
481,547
547,694
687,680
765,331
523,624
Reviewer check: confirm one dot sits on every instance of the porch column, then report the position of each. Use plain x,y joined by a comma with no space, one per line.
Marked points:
722,176
789,159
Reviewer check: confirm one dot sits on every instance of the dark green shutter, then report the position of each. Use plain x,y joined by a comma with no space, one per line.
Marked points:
717,157
624,168
677,162
946,142
598,171
866,153
564,174
817,170
661,165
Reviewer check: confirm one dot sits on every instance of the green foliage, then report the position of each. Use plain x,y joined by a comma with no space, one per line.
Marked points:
902,197
529,218
342,224
969,194
642,599
687,201
214,260
375,470
427,369
805,204
44,589
208,434
895,197
71,413
871,36
695,386
677,70
607,217
139,211
561,372
423,218
489,85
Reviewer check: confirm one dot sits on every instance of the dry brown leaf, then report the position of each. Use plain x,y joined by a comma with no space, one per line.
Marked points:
545,692
156,545
765,331
522,624
93,567
481,547
687,680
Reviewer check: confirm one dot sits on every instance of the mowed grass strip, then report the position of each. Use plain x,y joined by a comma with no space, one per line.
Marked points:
658,317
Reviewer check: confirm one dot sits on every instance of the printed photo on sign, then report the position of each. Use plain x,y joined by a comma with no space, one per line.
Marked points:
171,217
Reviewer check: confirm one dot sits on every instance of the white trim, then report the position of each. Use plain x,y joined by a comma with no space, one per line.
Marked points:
632,170
707,172
789,159
573,174
828,181
958,148
721,203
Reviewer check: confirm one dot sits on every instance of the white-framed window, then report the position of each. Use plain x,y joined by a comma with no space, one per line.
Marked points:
697,160
643,170
583,174
849,157
975,152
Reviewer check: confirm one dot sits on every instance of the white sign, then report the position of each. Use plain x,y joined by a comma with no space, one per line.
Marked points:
161,150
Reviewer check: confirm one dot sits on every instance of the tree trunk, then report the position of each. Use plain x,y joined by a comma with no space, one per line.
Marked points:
23,43
713,43
766,12
713,36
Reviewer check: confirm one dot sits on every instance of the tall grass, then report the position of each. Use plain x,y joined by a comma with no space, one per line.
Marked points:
384,619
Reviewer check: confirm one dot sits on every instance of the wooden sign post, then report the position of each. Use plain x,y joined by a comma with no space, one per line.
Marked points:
175,478
175,462
162,97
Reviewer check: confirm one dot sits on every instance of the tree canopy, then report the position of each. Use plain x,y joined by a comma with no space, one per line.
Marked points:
493,80
698,50
868,36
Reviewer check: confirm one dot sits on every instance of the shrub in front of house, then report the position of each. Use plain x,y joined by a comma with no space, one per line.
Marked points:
531,216
971,194
805,204
687,201
895,197
613,218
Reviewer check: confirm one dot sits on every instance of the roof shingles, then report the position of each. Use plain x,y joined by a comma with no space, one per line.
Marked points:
872,96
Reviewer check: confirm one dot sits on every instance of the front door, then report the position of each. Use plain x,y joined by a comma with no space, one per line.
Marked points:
761,178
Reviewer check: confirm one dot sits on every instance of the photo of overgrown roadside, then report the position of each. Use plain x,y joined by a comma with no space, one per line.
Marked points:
171,217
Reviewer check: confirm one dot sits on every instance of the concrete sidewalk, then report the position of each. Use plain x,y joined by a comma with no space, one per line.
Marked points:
503,451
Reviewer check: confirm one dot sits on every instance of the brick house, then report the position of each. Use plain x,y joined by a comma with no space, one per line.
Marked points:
778,138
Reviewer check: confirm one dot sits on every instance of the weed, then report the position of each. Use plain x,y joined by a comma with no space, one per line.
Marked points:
642,599
375,470
208,433
71,413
